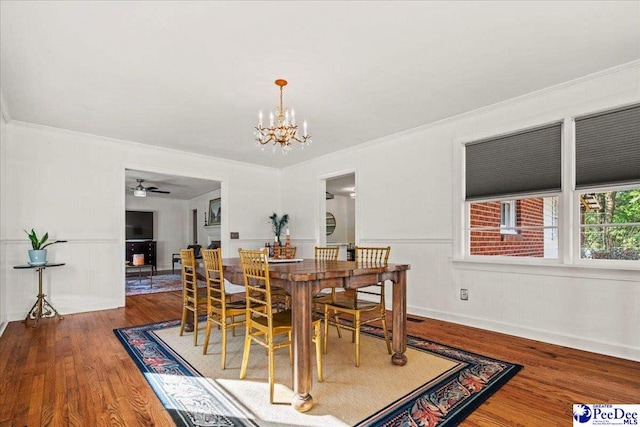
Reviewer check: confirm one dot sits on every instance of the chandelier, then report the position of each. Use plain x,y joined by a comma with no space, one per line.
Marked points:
282,127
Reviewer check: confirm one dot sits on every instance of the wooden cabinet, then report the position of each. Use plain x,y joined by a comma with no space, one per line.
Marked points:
147,248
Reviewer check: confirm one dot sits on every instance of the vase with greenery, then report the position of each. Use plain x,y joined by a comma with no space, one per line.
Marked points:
278,224
38,253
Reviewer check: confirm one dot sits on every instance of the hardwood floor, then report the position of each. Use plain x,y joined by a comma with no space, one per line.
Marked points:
74,372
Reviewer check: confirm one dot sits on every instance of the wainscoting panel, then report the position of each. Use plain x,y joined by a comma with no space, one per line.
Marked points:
91,279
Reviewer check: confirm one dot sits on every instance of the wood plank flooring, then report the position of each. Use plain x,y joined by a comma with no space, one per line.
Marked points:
74,372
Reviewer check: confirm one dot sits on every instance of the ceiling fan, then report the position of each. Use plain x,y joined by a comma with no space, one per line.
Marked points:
141,191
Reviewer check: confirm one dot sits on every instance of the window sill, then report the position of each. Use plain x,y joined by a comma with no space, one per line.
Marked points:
608,269
511,237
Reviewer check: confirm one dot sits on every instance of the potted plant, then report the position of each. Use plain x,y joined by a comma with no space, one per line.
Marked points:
277,225
38,255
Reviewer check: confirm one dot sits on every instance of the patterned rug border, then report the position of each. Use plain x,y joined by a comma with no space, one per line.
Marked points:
445,403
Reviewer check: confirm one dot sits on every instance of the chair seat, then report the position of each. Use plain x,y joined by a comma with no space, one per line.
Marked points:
200,300
360,304
280,319
235,306
322,298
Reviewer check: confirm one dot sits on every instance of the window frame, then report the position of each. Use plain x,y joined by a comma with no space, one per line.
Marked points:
508,226
578,227
517,231
568,222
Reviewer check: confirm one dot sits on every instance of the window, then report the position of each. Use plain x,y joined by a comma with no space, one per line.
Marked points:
610,225
510,184
531,233
608,184
513,192
508,217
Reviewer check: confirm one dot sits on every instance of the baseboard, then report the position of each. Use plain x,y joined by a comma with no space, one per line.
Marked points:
75,305
566,340
3,326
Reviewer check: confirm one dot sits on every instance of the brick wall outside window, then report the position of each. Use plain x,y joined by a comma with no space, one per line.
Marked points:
529,212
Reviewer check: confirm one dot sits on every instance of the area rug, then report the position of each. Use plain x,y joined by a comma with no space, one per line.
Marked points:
439,386
134,285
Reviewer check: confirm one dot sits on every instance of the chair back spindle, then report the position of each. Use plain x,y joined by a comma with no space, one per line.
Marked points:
326,253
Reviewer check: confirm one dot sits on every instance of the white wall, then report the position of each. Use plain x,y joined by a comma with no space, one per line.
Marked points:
412,206
71,185
170,218
210,232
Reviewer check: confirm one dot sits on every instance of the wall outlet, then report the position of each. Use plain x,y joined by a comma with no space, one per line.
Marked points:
464,294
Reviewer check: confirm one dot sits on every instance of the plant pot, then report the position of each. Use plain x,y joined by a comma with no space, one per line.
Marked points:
37,257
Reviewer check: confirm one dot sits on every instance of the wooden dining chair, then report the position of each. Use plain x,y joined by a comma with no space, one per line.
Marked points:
322,254
293,250
193,300
279,297
372,305
221,309
263,325
327,253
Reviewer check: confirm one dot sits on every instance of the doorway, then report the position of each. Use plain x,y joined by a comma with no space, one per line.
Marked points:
340,213
193,221
178,204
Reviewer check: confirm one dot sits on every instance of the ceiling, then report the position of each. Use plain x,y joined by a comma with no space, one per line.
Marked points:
342,185
193,75
180,187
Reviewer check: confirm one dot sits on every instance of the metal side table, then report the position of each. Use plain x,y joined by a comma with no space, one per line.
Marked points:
41,308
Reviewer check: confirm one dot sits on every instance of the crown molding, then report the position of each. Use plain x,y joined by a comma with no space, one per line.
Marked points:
5,108
472,113
107,139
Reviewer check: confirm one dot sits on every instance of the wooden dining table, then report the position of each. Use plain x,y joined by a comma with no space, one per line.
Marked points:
306,278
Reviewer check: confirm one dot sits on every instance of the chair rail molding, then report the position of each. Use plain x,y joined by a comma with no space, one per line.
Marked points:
410,240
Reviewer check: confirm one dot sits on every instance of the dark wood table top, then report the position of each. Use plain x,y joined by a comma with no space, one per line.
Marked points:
311,269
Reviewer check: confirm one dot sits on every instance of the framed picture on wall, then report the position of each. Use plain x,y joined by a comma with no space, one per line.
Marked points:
214,212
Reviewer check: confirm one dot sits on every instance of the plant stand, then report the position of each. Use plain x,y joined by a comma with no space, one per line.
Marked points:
42,307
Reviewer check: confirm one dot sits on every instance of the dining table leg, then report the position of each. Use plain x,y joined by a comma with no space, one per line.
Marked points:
301,319
399,331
